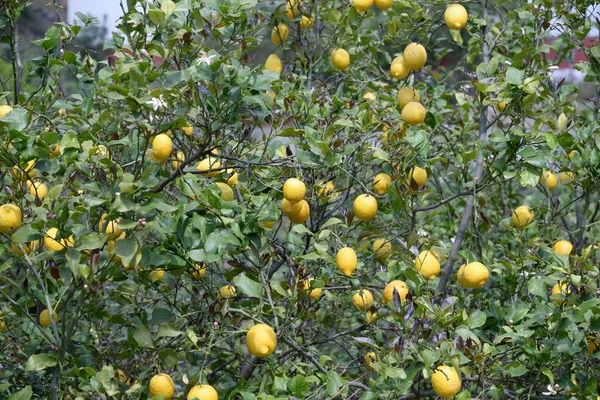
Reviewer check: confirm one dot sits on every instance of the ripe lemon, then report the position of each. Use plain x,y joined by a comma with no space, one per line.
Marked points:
305,22
199,271
29,247
563,247
273,63
399,286
522,216
473,275
370,96
560,288
370,359
233,177
381,182
363,299
326,190
279,34
501,106
315,293
157,275
415,56
110,227
4,110
162,384
428,265
446,382
25,173
371,316
294,190
203,392
346,260
37,188
10,218
226,191
227,291
572,154
566,177
398,69
456,16
45,318
292,8
549,179
290,208
413,113
407,95
269,224
179,157
188,130
301,216
382,249
362,5
365,207
209,164
340,59
383,4
417,177
591,346
54,151
261,340
52,244
162,146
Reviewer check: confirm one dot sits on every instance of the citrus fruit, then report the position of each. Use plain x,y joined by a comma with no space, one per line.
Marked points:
157,275
162,384
456,16
29,247
233,177
415,56
203,392
209,164
382,249
273,63
52,244
179,157
162,146
315,293
290,208
110,227
560,288
301,216
370,96
261,340
388,292
563,247
294,190
38,189
522,216
292,8
549,179
4,110
45,318
23,173
326,190
365,207
226,191
383,4
11,218
362,5
413,113
566,177
340,59
306,22
381,182
362,299
188,130
346,260
446,382
417,177
227,291
407,95
428,265
501,106
279,34
199,271
269,224
370,359
473,275
398,69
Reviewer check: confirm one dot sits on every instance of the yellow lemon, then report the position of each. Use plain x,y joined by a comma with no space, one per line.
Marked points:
388,292
261,340
370,359
382,249
269,224
428,265
179,157
203,392
383,4
25,173
315,293
346,260
413,113
501,106
522,216
456,16
29,247
226,191
415,56
365,207
4,110
549,179
446,382
199,271
279,34
301,216
563,247
290,208
294,190
157,275
45,318
398,69
407,95
340,59
370,96
11,218
473,275
566,177
38,189
292,8
371,316
110,227
381,182
209,164
227,291
591,346
572,154
162,384
363,299
233,177
417,177
305,22
362,5
273,63
162,146
326,190
52,244
54,151
560,288
188,130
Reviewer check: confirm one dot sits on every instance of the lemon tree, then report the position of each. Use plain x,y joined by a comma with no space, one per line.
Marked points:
294,199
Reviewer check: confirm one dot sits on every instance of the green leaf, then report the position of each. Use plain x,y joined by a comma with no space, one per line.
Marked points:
168,330
17,119
169,357
537,287
24,234
143,337
92,240
514,76
23,394
549,374
168,7
298,385
334,383
38,362
529,177
476,319
247,286
126,249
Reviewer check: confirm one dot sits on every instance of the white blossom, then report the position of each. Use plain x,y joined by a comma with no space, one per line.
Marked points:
204,59
157,103
552,390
